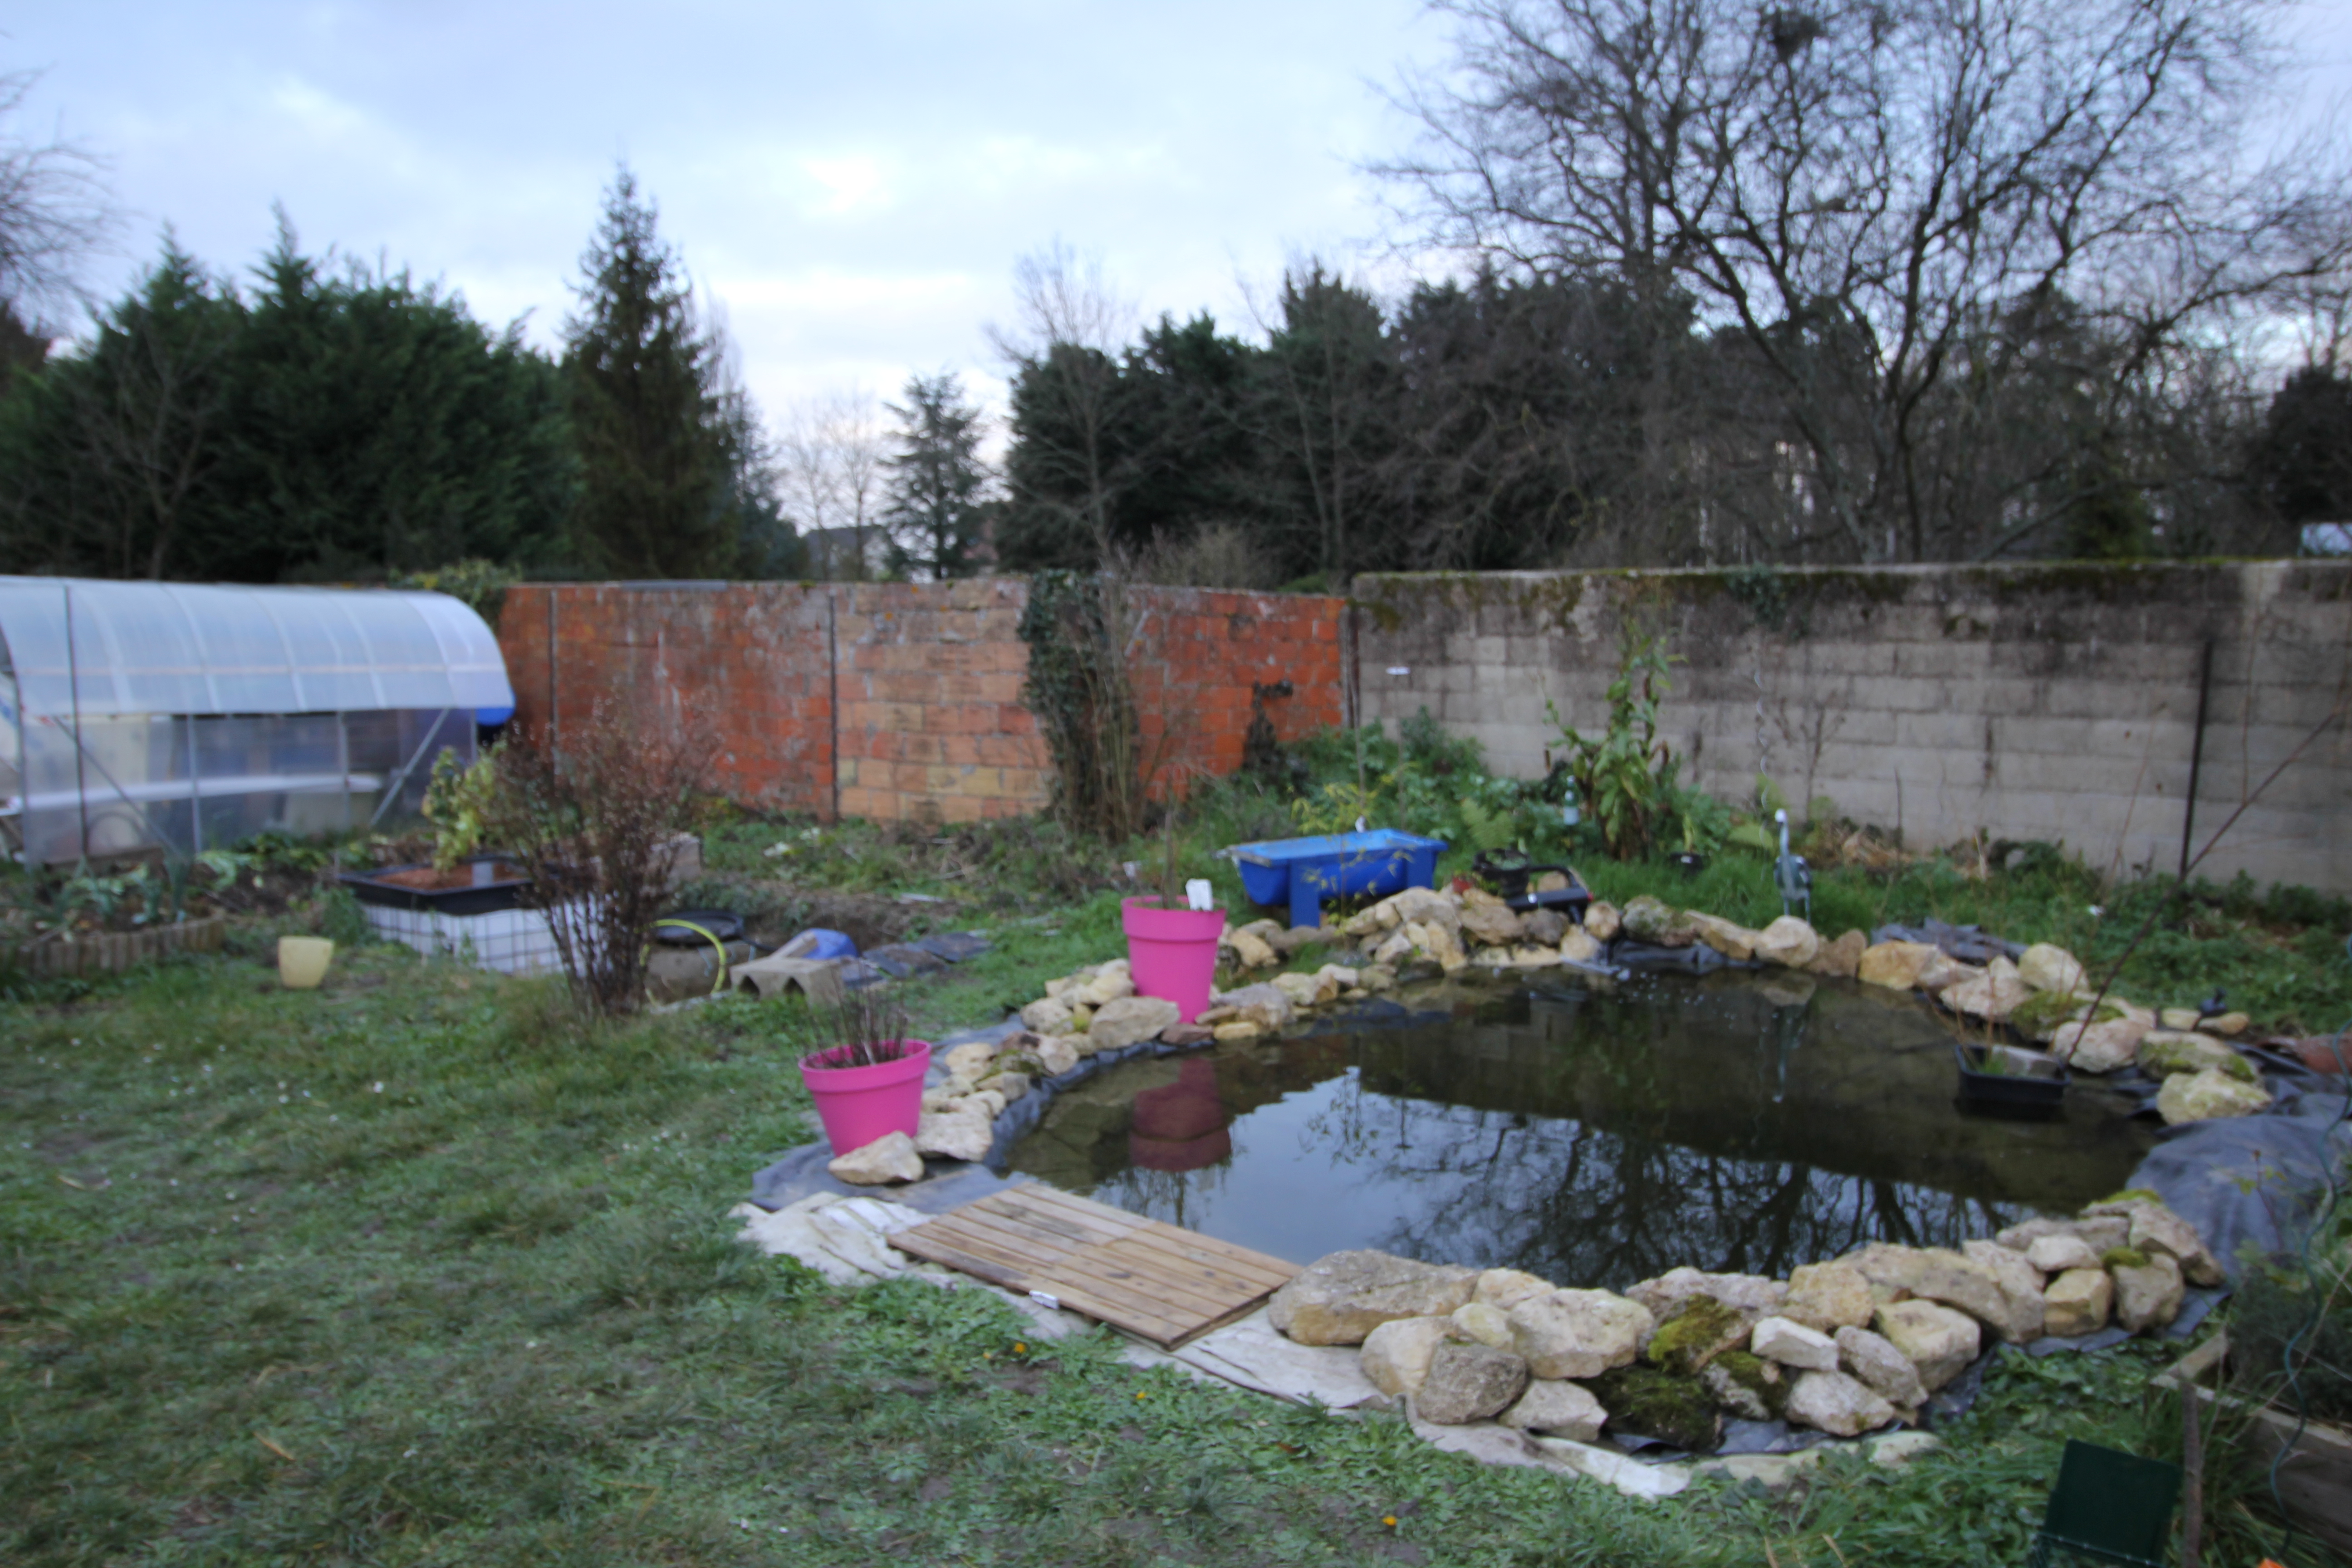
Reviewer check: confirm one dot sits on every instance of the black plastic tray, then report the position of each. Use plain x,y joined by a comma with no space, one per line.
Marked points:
2008,1089
369,888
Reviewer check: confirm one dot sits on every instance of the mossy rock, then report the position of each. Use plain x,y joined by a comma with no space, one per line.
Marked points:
2123,1257
1644,1401
2167,1059
1696,1333
2042,1012
1755,1376
2128,1195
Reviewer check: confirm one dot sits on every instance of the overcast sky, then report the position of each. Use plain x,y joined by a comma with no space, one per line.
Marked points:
852,183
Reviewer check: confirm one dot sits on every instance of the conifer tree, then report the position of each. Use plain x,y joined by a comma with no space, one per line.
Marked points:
938,508
661,436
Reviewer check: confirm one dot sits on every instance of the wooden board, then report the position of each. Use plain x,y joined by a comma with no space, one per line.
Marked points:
2316,1482
1156,1281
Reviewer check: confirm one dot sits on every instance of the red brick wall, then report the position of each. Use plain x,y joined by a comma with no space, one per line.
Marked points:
756,652
930,723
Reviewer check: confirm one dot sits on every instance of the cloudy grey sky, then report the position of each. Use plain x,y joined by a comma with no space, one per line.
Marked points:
852,183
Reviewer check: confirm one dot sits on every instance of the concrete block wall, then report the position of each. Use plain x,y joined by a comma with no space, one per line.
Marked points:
2034,702
902,701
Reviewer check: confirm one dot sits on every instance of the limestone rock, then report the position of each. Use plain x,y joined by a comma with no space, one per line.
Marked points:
1558,1409
1058,1053
1415,904
1130,1020
939,1100
1644,1401
1578,946
1340,975
1944,971
1793,1344
1578,1334
986,1102
1482,1322
1745,1385
2078,1302
1007,1087
2203,1095
2097,1047
1376,978
1602,920
2147,1297
1751,1294
2155,1228
1828,1297
1527,955
1727,938
1789,941
2098,1231
1490,924
1265,1005
1837,1404
959,1135
1507,1288
1306,991
1842,959
1991,996
889,1158
1545,926
1649,919
1108,987
1047,1016
971,1060
1938,1340
2021,1290
1251,952
2230,1026
1896,965
1444,946
2058,1254
1936,1273
1887,1371
1694,1333
2048,968
1239,1029
1395,1356
1297,938
2166,1053
1469,1383
1340,1298
1187,1035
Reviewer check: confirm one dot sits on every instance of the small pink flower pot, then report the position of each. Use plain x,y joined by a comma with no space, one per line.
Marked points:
859,1104
1173,954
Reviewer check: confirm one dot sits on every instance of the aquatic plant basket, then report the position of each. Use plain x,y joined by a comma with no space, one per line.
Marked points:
2006,1075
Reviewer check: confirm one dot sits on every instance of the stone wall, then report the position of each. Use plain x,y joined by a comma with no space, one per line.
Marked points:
2057,702
903,700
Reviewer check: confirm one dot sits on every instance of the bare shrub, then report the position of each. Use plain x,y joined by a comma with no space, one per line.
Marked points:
1218,555
591,815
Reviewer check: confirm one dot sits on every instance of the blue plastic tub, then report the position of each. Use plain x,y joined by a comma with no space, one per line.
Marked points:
1303,872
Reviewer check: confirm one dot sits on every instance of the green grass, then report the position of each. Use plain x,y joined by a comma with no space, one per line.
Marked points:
415,1270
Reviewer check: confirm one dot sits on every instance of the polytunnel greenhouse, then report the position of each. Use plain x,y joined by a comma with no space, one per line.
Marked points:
143,716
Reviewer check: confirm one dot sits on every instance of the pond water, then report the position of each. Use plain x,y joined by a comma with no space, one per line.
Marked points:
1593,1134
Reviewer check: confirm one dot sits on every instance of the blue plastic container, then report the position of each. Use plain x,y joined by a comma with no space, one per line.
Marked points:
1303,872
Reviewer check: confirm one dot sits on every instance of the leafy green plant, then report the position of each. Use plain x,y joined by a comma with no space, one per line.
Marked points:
1335,808
459,804
1626,775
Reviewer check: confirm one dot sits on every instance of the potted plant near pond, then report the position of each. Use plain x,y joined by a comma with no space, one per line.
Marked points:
869,1082
1172,936
460,878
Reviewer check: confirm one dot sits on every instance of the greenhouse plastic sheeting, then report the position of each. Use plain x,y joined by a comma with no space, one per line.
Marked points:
183,649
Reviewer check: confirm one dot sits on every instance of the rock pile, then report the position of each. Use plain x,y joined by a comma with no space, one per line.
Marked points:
1845,1347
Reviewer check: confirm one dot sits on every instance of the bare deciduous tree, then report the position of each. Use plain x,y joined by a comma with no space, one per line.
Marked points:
1064,348
53,211
1893,206
831,453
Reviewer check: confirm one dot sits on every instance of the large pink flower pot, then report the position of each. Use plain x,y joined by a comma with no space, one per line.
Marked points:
858,1105
1173,954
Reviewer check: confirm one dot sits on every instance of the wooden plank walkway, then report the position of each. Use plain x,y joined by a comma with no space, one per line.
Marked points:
1156,1281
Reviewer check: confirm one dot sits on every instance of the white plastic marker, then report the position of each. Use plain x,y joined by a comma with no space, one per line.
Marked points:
1199,895
1042,1300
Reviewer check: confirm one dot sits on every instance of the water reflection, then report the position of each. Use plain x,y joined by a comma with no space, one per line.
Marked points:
1595,1138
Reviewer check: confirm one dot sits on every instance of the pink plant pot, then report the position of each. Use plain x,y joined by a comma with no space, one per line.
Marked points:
1173,954
859,1104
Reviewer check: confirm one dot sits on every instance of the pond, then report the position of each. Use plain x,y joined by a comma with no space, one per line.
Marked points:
1592,1134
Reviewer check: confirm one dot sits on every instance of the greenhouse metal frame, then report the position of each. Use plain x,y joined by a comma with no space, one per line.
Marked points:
137,717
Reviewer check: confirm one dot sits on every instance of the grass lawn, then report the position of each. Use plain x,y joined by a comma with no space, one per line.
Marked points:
415,1270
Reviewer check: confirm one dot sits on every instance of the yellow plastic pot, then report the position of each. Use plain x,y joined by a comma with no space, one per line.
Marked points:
302,960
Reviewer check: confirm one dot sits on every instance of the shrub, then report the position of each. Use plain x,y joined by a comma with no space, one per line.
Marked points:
589,813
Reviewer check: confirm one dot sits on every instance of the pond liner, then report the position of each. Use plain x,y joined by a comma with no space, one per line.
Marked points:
1968,944
1697,959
